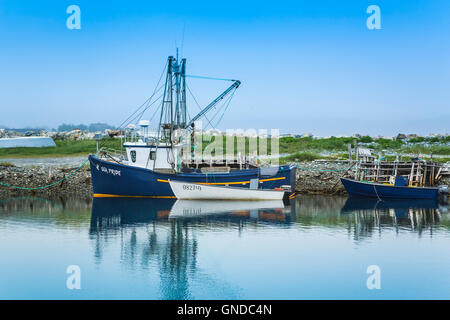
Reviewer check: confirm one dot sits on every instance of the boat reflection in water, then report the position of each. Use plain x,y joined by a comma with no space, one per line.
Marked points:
115,212
270,211
163,234
415,214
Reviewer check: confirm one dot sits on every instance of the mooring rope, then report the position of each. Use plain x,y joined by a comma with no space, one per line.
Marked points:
374,188
46,186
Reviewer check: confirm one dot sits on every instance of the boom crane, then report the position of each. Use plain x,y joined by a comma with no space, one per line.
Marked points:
235,85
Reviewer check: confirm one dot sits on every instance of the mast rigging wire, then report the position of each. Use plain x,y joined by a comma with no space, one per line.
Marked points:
126,121
208,78
198,105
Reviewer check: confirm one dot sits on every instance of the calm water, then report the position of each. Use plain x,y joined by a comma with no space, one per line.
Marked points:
317,247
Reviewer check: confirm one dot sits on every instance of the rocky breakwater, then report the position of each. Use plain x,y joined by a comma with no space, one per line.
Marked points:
322,177
75,134
317,177
77,185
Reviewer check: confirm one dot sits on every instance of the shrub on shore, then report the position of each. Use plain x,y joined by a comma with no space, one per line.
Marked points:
301,156
6,164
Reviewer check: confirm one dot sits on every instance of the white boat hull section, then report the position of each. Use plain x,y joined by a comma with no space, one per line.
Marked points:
193,191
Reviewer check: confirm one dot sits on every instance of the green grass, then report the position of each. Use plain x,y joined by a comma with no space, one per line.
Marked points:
430,139
63,148
404,158
302,148
292,145
301,156
339,145
440,150
6,164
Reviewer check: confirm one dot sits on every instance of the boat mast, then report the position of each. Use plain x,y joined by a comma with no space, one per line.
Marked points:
183,91
180,92
173,118
176,68
165,126
166,117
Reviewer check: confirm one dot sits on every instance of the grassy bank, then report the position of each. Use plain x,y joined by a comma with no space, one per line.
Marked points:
304,149
301,156
63,148
438,146
344,156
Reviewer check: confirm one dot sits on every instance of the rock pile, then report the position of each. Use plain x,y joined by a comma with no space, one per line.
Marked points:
76,134
321,177
78,185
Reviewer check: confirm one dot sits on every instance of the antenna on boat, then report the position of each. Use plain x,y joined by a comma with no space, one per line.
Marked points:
182,39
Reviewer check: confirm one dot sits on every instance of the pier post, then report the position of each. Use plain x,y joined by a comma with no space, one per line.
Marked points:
349,147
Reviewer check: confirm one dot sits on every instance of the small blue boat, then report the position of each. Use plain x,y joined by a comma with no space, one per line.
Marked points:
385,191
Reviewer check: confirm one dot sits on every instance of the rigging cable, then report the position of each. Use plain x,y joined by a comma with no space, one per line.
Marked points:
138,117
218,109
208,78
226,107
133,115
198,105
126,121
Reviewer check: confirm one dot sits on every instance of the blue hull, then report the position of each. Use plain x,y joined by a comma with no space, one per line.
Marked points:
376,190
113,179
359,203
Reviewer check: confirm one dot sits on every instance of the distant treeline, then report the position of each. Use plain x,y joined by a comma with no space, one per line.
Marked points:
22,130
91,127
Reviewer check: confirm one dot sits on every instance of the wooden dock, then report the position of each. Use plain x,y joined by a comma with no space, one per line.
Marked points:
419,173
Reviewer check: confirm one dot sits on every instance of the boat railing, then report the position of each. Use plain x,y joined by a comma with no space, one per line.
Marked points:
114,153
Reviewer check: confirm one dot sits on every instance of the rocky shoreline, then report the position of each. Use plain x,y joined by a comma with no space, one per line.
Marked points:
78,185
309,179
75,134
322,177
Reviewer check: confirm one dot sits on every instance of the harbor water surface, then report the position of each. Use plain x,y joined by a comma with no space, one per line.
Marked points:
315,247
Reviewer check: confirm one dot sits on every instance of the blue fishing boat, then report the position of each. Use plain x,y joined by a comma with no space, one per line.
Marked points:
151,159
385,191
110,179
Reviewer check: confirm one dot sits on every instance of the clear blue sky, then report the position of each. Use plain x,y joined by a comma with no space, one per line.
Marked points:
306,66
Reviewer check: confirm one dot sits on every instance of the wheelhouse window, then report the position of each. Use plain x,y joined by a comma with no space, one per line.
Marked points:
133,155
152,155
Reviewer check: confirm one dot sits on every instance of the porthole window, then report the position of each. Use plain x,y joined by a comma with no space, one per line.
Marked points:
133,155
